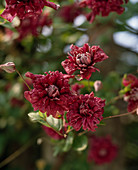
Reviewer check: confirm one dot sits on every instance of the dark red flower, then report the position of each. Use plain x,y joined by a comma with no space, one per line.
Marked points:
51,93
86,112
53,134
15,102
129,79
102,150
25,8
83,59
103,7
132,99
76,88
31,25
131,96
70,12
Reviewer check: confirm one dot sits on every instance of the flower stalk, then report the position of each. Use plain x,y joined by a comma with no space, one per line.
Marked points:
22,78
124,114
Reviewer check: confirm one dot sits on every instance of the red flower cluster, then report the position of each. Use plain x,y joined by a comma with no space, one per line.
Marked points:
30,25
83,59
70,12
25,8
103,7
86,112
102,150
131,96
51,93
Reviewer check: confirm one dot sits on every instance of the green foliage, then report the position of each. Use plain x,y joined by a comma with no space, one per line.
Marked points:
80,143
49,121
64,145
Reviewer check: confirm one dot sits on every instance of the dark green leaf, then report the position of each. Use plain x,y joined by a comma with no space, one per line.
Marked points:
80,143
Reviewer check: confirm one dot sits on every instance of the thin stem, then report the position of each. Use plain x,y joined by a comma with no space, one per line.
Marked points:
15,154
52,127
23,79
69,130
82,133
124,114
64,135
114,99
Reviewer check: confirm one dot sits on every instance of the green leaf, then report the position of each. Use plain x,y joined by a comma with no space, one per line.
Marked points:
43,115
58,147
57,124
68,142
35,117
80,143
125,90
47,121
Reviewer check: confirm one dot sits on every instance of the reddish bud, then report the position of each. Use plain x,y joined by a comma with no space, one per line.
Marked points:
98,85
8,67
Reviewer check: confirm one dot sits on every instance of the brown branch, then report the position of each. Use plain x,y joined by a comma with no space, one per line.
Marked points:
124,114
114,99
16,154
82,133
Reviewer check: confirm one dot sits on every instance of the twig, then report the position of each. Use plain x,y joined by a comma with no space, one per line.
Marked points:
69,130
23,79
82,133
64,135
124,114
15,154
114,99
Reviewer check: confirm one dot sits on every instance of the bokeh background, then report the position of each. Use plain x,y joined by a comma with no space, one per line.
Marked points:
117,35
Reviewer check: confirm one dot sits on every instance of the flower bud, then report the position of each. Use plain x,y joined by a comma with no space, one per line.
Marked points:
98,85
8,67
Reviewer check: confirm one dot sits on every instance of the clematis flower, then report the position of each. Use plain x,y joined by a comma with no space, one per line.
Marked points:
25,8
102,150
129,79
31,25
70,12
102,7
131,96
51,93
83,59
86,112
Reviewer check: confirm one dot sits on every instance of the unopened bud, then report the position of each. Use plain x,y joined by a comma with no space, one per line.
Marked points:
137,111
8,67
98,85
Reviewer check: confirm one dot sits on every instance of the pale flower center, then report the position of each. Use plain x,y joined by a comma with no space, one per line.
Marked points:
102,152
53,91
84,59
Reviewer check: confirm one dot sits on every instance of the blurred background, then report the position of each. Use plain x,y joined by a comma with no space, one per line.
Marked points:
116,34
